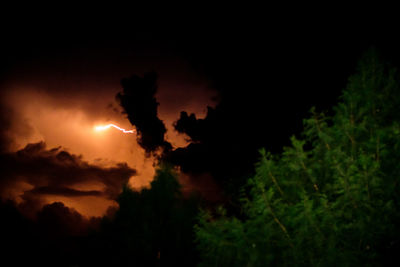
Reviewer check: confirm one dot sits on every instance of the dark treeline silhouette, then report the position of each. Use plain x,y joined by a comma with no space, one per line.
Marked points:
153,227
57,237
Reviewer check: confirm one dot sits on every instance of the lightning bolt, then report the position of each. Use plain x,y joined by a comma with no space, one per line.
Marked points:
105,127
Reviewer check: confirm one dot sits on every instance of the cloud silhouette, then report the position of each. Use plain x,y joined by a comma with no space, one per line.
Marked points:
63,191
140,105
56,172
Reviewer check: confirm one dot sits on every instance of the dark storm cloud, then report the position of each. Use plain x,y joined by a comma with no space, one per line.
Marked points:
55,172
195,128
63,191
226,141
5,115
139,103
9,119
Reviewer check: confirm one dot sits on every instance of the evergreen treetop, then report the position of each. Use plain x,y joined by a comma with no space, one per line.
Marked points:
332,197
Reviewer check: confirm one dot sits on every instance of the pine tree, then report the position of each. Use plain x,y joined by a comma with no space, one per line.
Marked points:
332,197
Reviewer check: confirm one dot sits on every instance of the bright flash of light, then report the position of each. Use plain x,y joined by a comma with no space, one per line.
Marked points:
105,127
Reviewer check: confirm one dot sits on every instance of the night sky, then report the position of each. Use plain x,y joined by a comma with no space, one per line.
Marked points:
205,98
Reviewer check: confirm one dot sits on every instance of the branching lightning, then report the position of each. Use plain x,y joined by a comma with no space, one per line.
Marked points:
105,127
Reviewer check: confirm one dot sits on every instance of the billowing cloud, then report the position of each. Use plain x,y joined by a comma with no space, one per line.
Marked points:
64,191
58,172
195,128
226,141
140,105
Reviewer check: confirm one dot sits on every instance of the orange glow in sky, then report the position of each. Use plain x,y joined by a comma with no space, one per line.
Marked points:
83,120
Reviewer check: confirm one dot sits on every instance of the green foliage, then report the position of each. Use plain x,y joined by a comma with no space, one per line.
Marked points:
335,203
